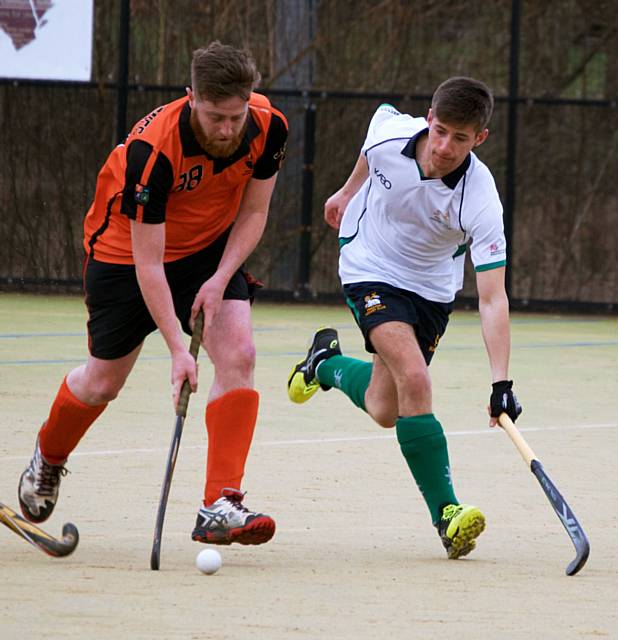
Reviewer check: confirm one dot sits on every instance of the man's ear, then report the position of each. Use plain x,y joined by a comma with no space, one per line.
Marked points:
191,96
429,116
481,137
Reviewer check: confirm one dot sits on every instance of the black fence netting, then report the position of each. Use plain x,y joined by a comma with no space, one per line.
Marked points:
553,144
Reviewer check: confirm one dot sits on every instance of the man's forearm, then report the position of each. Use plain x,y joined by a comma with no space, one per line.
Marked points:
357,178
244,237
156,293
496,334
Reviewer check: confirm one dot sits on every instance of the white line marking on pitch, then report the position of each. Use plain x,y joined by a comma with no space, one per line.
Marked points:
302,441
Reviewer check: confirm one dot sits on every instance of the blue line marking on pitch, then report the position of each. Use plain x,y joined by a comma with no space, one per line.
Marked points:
68,334
558,345
551,345
82,334
70,360
258,329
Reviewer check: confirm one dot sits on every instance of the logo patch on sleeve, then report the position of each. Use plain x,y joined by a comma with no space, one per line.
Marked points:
142,194
496,250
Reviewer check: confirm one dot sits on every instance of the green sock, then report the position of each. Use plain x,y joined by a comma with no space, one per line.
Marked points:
423,445
348,374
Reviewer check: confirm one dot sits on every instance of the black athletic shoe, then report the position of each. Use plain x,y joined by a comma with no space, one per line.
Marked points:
302,383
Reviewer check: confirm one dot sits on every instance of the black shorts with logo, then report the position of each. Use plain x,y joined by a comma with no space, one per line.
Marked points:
374,303
119,320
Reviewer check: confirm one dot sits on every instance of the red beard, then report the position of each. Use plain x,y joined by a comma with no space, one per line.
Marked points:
215,148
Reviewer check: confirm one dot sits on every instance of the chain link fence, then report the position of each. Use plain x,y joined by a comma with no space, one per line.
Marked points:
552,148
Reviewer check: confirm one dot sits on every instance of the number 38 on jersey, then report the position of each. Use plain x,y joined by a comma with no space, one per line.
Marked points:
189,180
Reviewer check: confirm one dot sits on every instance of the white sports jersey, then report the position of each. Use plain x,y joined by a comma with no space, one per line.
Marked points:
404,229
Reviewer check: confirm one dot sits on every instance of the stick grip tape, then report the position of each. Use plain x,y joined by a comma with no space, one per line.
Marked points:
196,339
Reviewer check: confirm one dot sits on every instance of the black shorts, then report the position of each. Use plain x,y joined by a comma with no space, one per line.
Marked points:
374,303
118,319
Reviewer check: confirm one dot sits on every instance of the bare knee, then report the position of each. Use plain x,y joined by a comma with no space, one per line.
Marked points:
414,392
238,358
381,399
102,392
380,408
100,381
415,383
94,389
385,419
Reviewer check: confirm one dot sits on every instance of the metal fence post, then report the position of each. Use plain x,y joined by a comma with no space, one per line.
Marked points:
303,287
122,81
511,145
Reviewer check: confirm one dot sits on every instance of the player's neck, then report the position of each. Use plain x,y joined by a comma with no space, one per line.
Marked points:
423,157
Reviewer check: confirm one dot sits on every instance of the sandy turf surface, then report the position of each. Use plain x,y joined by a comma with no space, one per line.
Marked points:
355,555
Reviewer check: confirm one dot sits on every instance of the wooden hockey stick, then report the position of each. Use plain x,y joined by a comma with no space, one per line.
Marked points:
181,414
55,547
562,509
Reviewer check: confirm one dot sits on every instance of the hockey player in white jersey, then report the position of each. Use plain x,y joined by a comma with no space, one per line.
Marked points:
416,198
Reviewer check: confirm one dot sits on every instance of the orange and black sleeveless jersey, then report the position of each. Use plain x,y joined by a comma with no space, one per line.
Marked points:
162,174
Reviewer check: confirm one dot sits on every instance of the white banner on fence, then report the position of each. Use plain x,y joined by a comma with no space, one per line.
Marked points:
46,39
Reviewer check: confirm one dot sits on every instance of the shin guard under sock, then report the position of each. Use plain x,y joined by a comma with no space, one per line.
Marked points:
69,419
230,422
424,447
347,374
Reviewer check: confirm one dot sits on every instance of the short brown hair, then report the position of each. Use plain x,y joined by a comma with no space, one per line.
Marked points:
463,101
220,71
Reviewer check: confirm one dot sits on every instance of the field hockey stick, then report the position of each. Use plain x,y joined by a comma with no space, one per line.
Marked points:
181,414
562,509
57,548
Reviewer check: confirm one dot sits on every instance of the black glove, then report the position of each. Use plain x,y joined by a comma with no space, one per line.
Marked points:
503,400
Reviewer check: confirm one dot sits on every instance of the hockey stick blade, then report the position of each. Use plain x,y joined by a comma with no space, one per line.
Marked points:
559,504
566,516
181,412
54,547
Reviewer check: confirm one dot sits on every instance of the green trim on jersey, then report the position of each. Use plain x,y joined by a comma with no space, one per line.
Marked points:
352,308
461,249
488,267
344,241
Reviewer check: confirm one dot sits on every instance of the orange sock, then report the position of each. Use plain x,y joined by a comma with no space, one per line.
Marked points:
69,419
230,422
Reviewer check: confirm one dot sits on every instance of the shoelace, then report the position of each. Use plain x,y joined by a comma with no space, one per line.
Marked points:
450,511
48,477
236,502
